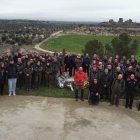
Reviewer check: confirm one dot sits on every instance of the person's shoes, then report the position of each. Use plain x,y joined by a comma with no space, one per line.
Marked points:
14,94
139,107
130,107
10,94
126,107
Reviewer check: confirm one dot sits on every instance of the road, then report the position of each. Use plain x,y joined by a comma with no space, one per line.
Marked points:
42,118
37,46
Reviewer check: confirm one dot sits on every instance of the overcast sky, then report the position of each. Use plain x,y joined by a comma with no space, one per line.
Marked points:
70,10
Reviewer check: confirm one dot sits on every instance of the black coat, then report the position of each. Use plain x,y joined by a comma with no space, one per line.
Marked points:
94,88
12,71
131,85
106,80
1,76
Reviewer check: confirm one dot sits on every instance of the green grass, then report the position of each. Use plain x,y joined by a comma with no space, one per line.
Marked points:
75,43
49,92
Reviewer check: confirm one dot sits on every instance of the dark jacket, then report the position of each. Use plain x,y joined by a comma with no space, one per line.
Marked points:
118,86
94,88
131,85
49,70
1,76
86,62
12,71
28,70
20,67
55,67
93,75
106,80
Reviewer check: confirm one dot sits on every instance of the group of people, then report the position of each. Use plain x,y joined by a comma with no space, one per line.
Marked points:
109,78
30,71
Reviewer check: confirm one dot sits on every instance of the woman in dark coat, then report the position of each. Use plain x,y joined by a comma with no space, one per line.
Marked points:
94,89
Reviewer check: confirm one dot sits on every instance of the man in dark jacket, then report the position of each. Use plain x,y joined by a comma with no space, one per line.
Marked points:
105,83
93,74
55,68
38,74
86,64
28,71
137,75
12,77
20,68
130,91
71,63
48,74
118,87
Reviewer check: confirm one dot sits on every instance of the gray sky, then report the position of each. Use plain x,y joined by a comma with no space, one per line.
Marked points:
70,10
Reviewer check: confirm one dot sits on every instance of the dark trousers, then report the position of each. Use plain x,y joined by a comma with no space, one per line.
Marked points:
43,79
28,82
86,70
139,107
1,88
94,99
37,80
70,71
20,80
33,81
66,68
82,94
115,98
54,79
48,79
129,99
105,95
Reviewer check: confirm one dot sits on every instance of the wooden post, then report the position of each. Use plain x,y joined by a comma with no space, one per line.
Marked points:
63,58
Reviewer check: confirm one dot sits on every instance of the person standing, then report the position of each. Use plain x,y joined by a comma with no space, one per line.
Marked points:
12,77
55,68
105,84
118,87
28,71
20,68
86,64
79,79
2,72
130,91
38,74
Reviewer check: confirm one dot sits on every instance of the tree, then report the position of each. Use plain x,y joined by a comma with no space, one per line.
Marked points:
108,50
120,20
4,38
124,45
94,46
130,21
111,21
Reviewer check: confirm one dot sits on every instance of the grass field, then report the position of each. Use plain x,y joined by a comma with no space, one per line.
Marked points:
75,43
47,92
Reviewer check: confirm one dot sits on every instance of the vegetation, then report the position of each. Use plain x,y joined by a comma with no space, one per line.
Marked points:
77,43
48,92
94,46
124,45
73,43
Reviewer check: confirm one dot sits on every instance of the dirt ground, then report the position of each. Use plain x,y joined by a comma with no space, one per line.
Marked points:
42,118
